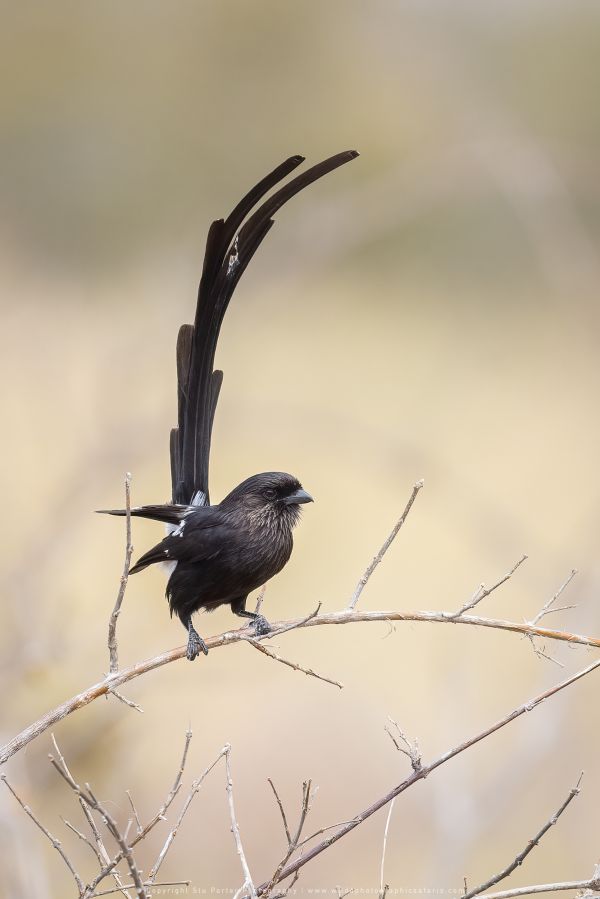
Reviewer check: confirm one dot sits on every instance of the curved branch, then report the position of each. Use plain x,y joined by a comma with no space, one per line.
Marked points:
346,616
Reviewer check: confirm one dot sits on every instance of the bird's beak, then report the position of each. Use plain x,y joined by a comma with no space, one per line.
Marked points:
300,496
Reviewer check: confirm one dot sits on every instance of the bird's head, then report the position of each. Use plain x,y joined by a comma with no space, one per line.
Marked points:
273,493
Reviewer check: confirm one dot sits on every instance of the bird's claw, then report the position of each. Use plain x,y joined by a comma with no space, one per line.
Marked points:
261,626
195,646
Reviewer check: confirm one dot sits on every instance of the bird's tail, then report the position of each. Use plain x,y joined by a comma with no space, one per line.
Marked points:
170,514
230,245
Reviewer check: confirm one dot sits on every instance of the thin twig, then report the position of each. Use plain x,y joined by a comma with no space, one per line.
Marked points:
55,843
520,858
110,865
593,884
547,607
112,624
248,882
295,665
425,770
386,545
293,841
90,799
125,701
345,616
411,747
280,804
383,888
483,591
130,886
196,784
135,812
99,847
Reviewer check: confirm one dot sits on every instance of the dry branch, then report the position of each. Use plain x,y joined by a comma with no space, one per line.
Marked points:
345,616
112,624
425,770
520,858
386,545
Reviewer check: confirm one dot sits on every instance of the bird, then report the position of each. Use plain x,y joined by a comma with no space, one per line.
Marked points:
218,554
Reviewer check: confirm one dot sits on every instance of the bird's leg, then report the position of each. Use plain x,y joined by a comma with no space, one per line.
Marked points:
261,625
196,644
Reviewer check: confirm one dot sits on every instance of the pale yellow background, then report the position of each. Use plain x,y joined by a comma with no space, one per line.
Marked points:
430,310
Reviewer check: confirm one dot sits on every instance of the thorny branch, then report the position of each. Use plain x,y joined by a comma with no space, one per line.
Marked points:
424,771
55,843
520,858
109,866
295,665
293,841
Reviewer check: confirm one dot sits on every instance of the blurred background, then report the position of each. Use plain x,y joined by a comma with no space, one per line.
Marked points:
429,310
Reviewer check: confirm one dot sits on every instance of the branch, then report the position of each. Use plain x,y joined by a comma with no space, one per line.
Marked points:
248,882
55,843
592,884
377,559
547,607
384,887
98,846
196,784
528,848
425,770
483,591
293,841
345,616
112,623
294,665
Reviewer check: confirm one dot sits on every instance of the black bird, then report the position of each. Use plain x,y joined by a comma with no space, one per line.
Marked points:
219,554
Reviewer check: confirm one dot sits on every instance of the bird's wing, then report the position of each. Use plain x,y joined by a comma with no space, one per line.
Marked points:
230,246
200,537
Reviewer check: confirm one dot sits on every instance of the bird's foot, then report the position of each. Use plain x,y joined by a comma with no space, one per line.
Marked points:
261,626
195,646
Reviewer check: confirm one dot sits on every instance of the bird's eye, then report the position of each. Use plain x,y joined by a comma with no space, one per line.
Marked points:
270,493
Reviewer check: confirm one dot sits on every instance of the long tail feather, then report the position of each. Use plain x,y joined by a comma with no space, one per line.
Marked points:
230,246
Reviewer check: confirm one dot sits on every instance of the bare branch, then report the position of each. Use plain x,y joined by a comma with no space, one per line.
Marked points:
173,833
130,886
248,882
386,545
125,701
547,607
112,624
280,804
98,845
410,748
425,770
345,616
483,591
294,665
135,811
593,884
383,888
520,858
55,843
293,841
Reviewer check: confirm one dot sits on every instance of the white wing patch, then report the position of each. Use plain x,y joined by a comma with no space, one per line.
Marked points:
178,532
